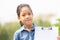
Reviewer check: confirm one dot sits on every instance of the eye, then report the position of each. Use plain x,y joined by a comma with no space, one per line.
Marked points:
29,13
23,15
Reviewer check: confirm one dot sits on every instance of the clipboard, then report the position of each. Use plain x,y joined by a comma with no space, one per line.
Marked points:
46,34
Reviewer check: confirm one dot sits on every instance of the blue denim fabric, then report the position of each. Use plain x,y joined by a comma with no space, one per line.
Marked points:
23,34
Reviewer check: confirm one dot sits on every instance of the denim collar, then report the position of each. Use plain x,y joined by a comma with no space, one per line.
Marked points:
23,28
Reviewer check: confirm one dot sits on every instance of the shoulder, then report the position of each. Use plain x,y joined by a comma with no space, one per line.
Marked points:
17,33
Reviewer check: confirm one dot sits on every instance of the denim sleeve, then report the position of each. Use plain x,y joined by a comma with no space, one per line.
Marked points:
16,35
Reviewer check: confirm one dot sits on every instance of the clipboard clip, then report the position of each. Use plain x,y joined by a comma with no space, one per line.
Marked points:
50,28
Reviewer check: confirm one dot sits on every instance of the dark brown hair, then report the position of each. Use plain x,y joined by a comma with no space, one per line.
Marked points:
19,9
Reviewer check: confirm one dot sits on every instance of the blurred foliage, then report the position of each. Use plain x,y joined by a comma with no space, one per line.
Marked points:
43,23
4,34
43,20
8,29
58,25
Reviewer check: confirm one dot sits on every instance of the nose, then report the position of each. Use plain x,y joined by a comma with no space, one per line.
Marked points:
27,16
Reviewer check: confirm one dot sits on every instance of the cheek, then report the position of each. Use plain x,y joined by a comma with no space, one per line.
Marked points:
21,19
31,16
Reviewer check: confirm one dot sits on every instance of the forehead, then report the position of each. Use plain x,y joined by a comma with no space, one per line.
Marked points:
25,9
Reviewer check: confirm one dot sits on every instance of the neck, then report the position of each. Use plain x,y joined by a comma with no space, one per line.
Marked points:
28,27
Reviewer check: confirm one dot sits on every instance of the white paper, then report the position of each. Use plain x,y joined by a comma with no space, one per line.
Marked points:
46,34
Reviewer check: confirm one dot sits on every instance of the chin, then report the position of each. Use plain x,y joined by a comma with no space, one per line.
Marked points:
28,23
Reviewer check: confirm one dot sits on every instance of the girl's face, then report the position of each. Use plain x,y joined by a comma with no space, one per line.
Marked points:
26,16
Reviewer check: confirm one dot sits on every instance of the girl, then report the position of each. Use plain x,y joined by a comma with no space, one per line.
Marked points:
25,16
28,30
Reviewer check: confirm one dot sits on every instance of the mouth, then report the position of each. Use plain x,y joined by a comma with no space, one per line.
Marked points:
28,20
